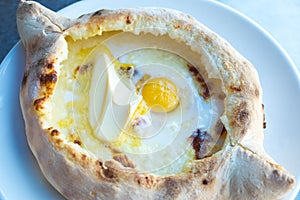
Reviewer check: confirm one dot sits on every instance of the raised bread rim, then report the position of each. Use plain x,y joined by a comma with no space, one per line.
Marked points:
240,169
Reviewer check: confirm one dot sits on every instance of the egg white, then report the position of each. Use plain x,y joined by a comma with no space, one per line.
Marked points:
92,108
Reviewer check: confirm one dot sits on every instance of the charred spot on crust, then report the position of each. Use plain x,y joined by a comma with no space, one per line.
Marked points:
46,79
54,132
77,142
128,20
243,116
73,154
275,173
197,143
58,141
240,116
208,39
199,140
256,92
176,26
172,187
264,117
99,162
193,70
108,173
83,156
265,125
50,66
235,88
38,103
98,13
205,182
203,89
146,181
105,172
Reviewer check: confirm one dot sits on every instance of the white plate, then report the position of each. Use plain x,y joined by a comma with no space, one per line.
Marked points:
20,177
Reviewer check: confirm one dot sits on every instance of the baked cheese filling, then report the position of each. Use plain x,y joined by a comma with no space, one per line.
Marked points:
140,96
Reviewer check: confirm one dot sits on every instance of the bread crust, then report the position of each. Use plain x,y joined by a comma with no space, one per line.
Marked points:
241,169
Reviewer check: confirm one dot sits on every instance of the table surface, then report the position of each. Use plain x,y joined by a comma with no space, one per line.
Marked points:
279,17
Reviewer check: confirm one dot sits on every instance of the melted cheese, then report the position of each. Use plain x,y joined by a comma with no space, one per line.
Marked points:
99,101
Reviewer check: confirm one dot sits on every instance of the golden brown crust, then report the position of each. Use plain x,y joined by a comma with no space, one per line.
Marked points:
240,169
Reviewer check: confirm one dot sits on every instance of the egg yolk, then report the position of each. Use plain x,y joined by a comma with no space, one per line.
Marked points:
160,94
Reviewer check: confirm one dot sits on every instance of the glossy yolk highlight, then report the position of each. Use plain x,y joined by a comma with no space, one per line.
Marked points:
160,94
